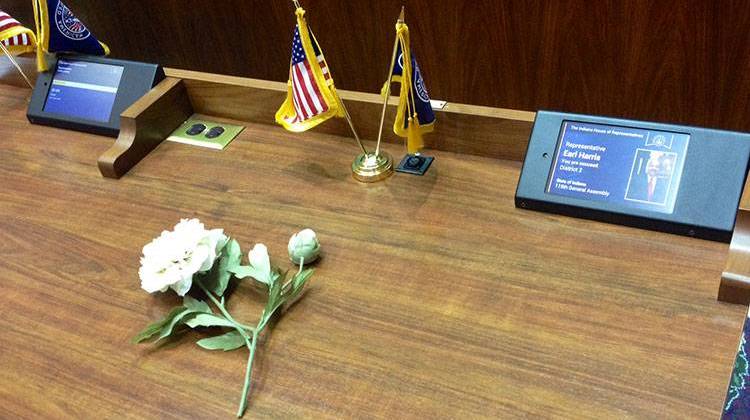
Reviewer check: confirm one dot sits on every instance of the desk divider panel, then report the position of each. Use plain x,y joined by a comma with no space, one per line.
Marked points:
464,129
144,125
496,133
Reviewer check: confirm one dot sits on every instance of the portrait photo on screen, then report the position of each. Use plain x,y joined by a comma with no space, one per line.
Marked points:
651,176
628,166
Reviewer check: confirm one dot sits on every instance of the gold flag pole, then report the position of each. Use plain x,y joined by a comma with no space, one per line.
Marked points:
376,166
351,124
367,167
388,86
15,63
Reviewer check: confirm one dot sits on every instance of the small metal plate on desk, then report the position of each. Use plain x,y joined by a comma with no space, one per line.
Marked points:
415,164
437,104
204,133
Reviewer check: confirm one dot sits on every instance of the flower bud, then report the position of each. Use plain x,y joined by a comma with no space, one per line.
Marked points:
304,244
261,262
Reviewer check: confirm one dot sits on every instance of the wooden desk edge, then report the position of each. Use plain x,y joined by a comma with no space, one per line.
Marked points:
735,280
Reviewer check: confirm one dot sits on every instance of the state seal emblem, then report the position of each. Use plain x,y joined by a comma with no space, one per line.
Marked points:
419,83
69,25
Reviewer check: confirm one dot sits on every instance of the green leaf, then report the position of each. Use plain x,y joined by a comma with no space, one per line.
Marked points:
280,277
166,331
157,326
229,341
147,332
274,295
244,271
210,279
230,259
208,320
196,305
298,283
183,314
301,279
233,253
276,274
217,279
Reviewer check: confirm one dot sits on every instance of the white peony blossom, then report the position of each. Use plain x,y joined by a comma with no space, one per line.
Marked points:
304,244
171,260
261,263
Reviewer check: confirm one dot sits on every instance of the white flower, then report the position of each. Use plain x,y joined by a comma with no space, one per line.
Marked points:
304,244
171,260
261,263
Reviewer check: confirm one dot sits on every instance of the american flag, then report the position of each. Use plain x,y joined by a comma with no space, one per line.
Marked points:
7,23
308,101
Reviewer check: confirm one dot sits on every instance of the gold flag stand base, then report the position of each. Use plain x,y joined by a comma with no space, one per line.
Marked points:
372,168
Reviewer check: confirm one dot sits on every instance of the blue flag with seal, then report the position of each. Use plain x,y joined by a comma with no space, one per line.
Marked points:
414,115
59,30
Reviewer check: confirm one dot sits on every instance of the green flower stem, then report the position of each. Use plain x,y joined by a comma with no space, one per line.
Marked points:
224,311
250,342
262,324
301,264
286,285
248,374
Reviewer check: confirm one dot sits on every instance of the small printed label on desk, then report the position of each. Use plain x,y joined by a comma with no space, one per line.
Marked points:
436,104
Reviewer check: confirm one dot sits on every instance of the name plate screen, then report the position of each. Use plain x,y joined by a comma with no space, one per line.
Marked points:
630,166
84,90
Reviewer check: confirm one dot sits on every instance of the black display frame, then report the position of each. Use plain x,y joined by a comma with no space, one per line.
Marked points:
136,80
714,173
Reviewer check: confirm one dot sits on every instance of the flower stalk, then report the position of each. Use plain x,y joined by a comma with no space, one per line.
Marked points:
192,255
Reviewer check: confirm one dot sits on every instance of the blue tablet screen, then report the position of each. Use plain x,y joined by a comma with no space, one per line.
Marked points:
634,167
83,90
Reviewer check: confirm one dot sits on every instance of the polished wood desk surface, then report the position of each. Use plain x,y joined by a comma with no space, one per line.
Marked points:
435,298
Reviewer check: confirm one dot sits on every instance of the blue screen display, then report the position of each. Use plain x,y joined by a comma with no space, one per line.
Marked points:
83,90
628,166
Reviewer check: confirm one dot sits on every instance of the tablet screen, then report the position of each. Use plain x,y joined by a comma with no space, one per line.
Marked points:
83,89
629,166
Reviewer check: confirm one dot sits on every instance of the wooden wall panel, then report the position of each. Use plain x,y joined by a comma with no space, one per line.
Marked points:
673,61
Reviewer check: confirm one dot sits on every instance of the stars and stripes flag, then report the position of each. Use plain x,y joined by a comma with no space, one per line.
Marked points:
16,38
311,95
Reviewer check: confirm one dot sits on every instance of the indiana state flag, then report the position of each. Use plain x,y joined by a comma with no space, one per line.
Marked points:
59,30
414,115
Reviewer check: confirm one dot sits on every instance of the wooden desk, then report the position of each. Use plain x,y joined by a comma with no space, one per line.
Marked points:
435,298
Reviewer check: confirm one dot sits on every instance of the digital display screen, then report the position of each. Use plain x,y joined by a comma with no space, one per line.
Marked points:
633,167
83,90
